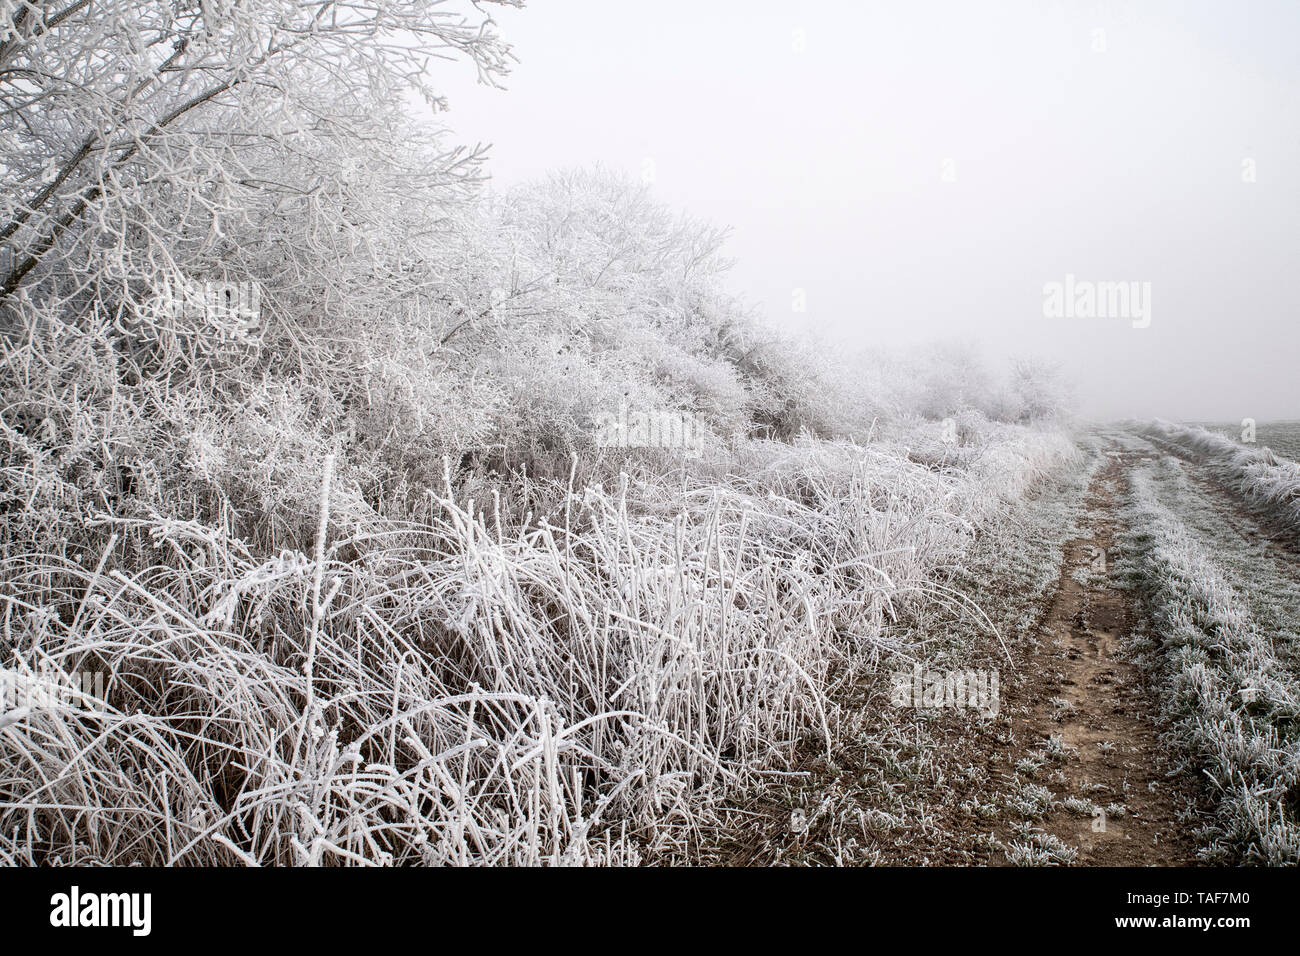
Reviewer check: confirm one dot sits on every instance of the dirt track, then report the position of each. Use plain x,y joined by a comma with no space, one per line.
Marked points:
1082,686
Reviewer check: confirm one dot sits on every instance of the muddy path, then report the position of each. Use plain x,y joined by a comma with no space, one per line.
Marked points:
1113,799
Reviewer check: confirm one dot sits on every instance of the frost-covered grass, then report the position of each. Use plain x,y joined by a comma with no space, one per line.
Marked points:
1283,437
1233,701
468,688
1260,567
1262,478
927,769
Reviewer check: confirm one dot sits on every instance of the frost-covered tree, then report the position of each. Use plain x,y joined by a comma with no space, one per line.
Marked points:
579,295
950,377
1037,389
126,121
149,148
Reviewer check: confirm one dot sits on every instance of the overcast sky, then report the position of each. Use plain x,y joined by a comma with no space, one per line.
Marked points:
921,169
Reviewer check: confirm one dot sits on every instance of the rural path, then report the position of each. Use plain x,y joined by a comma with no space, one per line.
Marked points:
1072,770
1082,688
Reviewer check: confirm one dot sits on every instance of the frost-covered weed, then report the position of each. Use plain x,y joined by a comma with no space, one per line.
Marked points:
1029,800
1040,849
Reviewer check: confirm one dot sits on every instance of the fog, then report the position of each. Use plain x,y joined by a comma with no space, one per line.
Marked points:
909,172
